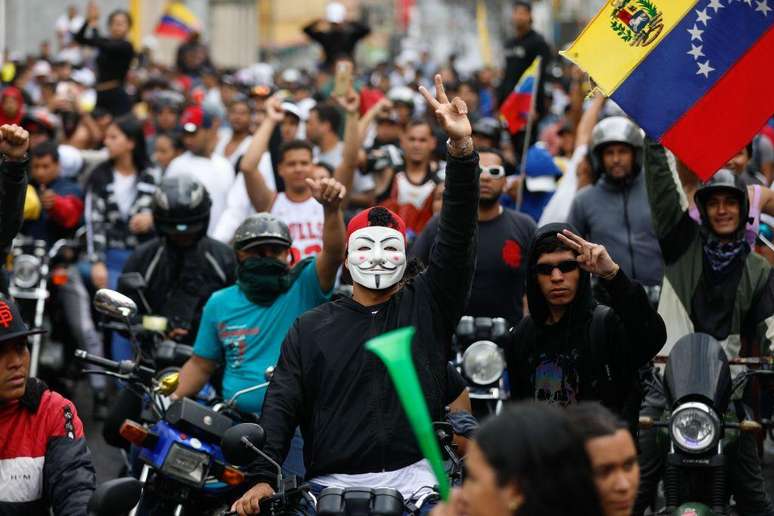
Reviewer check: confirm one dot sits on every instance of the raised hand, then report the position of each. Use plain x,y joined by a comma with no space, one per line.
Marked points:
592,258
14,141
274,110
452,116
350,102
328,192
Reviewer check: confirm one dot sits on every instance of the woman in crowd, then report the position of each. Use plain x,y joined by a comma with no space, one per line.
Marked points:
113,59
118,202
527,461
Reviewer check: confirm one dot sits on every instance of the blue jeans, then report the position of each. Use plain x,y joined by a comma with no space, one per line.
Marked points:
115,259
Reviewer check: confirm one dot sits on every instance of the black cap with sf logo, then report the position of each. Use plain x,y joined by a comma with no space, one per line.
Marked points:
12,325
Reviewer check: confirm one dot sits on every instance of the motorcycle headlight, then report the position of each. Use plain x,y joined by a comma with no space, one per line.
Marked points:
694,427
483,362
26,271
186,465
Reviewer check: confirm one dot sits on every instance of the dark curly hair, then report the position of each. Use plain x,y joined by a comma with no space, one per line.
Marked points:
379,216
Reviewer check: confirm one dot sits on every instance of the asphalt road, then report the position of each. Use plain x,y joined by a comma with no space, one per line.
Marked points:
109,461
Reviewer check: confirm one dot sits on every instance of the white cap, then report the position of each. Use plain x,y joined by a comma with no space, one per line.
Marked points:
541,184
41,68
291,108
335,12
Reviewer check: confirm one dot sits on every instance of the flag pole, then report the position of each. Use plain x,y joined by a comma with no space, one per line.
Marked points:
528,134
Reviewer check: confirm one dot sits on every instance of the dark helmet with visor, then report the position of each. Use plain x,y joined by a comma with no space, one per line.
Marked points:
261,229
723,181
181,206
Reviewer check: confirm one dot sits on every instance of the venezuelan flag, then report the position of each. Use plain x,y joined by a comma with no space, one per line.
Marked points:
517,107
694,74
177,22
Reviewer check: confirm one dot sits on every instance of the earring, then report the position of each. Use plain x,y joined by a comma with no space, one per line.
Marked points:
513,505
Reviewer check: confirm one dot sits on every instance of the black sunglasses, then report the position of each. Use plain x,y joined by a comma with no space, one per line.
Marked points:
546,269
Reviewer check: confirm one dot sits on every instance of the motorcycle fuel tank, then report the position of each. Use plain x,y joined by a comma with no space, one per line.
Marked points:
698,368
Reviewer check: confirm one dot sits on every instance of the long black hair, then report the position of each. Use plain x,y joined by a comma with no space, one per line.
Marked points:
133,129
534,447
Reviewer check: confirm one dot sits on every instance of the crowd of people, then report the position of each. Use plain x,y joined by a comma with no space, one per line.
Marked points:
283,218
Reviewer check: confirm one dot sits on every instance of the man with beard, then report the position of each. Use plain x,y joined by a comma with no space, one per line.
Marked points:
354,427
503,237
614,212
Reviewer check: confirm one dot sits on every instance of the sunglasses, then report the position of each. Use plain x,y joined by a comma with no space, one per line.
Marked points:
496,172
546,269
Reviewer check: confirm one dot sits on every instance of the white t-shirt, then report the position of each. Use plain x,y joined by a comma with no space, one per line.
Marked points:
305,221
220,147
124,192
238,205
334,157
412,481
215,173
67,26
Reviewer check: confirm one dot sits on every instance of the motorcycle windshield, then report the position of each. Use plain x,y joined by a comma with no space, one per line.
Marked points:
698,368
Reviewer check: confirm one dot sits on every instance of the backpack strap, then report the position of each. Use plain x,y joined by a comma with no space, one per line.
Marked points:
600,358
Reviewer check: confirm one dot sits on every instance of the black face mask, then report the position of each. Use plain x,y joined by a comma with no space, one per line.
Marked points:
263,279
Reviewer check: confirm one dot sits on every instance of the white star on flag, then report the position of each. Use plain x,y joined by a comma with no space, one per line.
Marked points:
695,32
703,16
748,2
715,4
696,51
705,69
763,7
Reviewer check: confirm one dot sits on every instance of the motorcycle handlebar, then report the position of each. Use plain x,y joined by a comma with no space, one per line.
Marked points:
748,361
123,367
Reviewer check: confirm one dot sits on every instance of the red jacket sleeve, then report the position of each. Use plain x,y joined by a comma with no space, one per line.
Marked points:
66,211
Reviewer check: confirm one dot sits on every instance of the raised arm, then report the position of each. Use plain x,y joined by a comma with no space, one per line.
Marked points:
345,172
588,120
666,201
14,142
384,104
261,196
330,193
452,259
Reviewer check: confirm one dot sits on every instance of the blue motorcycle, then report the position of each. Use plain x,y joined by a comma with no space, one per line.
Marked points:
183,467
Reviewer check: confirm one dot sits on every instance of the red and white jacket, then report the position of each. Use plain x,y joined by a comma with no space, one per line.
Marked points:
44,461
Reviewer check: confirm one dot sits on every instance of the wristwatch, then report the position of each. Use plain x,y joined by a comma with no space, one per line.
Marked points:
460,148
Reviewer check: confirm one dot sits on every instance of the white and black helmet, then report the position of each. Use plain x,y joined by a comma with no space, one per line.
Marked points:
260,229
616,129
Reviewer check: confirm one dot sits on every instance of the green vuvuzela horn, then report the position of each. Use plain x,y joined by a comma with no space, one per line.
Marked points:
394,349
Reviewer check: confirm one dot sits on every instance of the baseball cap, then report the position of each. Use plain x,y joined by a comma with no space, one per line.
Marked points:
289,107
361,220
12,325
195,118
541,170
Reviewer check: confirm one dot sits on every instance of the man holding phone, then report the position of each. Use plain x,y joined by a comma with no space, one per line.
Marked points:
14,168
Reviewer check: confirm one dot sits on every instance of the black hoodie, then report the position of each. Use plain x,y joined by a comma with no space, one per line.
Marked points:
558,363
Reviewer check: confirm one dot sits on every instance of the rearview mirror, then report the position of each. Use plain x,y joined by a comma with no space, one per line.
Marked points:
114,305
235,450
114,497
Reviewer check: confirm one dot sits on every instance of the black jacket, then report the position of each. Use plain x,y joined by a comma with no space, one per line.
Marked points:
519,54
105,226
341,395
13,188
180,281
559,364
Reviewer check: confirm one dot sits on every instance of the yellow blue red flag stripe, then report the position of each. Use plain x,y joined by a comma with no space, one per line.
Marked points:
697,87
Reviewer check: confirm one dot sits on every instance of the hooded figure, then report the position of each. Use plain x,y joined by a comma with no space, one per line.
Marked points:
570,349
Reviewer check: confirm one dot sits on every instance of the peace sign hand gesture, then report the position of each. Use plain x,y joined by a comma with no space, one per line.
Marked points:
453,116
592,258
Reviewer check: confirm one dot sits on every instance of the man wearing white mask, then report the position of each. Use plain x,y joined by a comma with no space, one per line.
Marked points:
355,431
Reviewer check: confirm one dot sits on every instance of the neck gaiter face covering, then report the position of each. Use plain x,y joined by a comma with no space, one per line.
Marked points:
263,279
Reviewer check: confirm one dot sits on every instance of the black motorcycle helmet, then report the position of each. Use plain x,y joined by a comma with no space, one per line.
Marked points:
260,229
181,206
724,181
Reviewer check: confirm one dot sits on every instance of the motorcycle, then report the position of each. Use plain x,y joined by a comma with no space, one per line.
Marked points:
478,355
184,470
37,272
699,389
242,445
